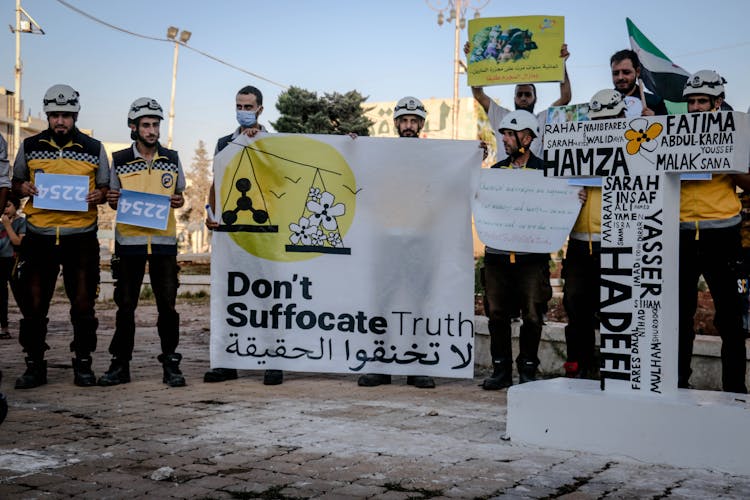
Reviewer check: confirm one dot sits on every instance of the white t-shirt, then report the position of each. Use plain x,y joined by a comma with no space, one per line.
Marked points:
496,113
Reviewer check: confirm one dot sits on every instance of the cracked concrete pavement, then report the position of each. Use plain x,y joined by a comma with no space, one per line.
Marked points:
315,436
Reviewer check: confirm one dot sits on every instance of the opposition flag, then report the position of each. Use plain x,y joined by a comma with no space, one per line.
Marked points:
660,75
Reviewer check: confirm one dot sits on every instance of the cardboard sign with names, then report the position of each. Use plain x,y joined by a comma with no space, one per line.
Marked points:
61,192
639,159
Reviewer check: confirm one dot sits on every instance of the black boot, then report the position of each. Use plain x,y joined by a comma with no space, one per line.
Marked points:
83,375
273,377
373,380
118,373
526,371
421,381
502,376
35,374
220,375
171,365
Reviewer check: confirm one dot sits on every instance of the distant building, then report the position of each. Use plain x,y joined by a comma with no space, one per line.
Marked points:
473,123
29,125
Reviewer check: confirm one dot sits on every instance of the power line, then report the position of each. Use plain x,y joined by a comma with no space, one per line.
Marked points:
205,54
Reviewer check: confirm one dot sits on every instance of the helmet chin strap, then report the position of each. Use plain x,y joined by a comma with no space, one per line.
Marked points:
521,149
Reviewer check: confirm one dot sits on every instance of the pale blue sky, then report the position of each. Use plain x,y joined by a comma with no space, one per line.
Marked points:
384,48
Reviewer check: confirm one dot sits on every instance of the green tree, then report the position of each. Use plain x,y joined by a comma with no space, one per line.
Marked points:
199,178
304,112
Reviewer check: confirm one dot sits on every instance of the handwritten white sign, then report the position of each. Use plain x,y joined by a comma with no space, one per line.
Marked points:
523,211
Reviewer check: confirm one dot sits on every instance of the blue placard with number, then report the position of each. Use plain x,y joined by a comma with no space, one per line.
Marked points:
143,209
61,192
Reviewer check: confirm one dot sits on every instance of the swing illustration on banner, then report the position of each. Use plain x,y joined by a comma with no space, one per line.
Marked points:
295,194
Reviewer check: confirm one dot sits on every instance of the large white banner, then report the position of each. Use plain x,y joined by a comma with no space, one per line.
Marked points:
344,255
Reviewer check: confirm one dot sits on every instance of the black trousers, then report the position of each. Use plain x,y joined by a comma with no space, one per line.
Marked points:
581,271
163,271
716,254
510,287
42,257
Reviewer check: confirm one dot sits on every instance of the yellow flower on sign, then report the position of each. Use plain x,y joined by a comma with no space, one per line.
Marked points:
642,135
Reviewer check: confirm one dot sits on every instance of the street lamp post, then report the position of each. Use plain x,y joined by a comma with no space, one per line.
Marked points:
456,13
184,36
24,24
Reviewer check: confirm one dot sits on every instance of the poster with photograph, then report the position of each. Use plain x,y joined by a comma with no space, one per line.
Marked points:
509,50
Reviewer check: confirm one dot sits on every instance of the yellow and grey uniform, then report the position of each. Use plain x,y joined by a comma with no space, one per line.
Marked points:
162,175
710,204
136,246
581,281
58,239
588,225
82,155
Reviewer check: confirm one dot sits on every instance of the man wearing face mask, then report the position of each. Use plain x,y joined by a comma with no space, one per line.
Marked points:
524,99
249,106
514,280
147,167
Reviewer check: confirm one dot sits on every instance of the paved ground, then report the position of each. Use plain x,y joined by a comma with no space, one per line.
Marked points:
314,436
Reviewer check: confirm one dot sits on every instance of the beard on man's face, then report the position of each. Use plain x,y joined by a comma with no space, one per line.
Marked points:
407,133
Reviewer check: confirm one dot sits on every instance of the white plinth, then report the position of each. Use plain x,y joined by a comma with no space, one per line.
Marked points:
700,429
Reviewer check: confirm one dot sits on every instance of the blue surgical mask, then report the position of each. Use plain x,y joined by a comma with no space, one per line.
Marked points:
246,118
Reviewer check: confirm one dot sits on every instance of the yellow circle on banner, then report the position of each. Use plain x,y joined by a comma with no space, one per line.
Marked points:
288,198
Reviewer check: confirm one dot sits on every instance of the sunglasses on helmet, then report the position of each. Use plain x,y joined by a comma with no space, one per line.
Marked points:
697,82
598,106
61,100
151,104
410,106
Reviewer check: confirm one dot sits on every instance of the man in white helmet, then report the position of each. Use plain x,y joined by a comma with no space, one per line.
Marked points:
710,245
59,238
581,268
409,116
408,120
515,281
524,98
147,167
248,106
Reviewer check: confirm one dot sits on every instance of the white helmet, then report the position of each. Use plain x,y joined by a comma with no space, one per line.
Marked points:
520,120
706,82
144,106
61,98
607,103
409,106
